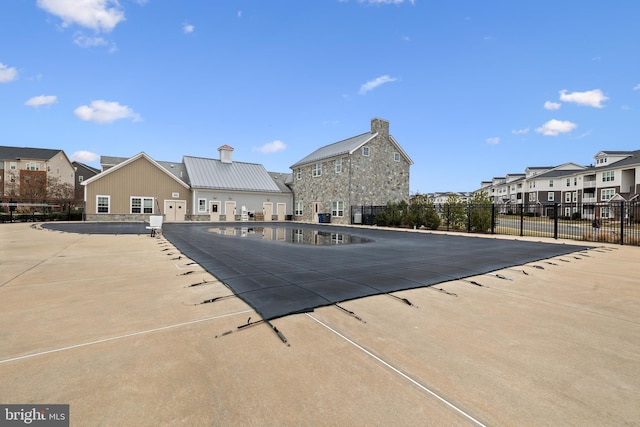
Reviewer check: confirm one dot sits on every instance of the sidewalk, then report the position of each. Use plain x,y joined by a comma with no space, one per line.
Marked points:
108,325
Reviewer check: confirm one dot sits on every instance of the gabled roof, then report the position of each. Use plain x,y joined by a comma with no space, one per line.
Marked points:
633,159
177,169
131,160
281,180
18,153
346,146
213,174
89,168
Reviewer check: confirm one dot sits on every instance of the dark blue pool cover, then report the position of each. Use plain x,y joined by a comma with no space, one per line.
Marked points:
277,278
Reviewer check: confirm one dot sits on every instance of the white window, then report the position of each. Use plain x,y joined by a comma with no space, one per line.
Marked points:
604,212
141,205
567,196
550,196
80,178
365,151
575,181
607,193
568,182
102,203
575,196
299,206
33,166
337,208
338,165
608,176
396,157
316,170
567,211
550,183
202,205
299,173
13,166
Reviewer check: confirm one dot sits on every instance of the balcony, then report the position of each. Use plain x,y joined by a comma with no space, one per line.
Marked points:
589,184
588,200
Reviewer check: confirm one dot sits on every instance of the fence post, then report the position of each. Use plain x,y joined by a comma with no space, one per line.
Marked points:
622,222
493,219
555,220
521,219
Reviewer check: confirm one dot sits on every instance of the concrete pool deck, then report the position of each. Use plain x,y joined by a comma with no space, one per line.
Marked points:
107,324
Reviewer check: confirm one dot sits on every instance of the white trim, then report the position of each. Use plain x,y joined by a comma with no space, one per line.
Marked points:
131,160
108,204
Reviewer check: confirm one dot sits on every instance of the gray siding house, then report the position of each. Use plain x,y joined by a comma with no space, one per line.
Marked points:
224,190
367,169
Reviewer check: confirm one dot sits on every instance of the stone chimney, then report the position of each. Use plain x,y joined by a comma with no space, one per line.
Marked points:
381,126
226,154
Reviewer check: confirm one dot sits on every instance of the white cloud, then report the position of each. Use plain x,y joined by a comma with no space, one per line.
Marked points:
86,42
520,131
99,15
188,28
84,157
7,74
271,147
556,127
103,112
590,98
493,140
38,101
552,105
239,14
637,87
372,84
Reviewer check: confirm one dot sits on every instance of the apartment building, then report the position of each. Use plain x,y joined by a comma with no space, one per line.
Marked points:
578,190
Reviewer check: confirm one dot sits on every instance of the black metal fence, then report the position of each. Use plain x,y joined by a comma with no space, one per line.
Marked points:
617,222
29,210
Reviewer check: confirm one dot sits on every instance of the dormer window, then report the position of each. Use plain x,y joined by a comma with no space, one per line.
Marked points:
365,151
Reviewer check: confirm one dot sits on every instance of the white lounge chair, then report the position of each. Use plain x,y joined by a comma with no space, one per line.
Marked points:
155,225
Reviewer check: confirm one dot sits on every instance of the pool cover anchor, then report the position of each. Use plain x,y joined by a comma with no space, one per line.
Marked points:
349,312
404,300
444,291
254,323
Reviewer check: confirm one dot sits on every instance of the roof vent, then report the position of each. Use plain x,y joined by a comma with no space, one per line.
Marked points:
226,152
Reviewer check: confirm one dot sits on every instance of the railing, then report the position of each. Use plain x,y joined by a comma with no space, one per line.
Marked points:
619,221
31,210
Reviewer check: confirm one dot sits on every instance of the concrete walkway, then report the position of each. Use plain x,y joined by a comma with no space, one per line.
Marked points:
108,325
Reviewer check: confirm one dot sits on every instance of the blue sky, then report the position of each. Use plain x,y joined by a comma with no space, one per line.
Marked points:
472,89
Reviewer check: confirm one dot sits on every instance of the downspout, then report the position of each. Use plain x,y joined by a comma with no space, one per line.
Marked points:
350,195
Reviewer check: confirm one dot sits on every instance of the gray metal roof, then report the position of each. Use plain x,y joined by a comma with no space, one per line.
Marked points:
336,149
213,174
111,160
17,153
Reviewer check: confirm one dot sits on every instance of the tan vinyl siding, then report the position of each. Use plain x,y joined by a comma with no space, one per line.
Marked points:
140,178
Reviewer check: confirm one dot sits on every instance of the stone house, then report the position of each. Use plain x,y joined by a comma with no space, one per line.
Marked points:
339,178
